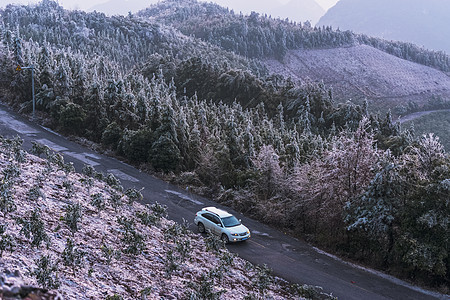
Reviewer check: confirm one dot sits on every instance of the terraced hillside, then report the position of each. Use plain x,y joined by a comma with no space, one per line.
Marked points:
362,72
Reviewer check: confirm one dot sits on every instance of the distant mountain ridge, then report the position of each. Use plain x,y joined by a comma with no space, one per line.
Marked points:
423,22
295,10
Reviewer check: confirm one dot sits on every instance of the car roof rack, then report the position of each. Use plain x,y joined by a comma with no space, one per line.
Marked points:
217,211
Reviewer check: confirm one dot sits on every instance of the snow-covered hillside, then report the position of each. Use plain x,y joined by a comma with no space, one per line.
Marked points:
114,246
362,72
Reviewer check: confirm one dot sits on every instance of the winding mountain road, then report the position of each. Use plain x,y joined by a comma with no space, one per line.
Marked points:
292,259
418,114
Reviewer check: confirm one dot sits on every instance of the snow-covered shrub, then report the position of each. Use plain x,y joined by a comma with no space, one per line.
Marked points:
115,200
226,258
88,170
7,242
160,210
35,193
213,243
39,149
263,277
204,290
133,242
7,203
69,188
109,253
72,256
45,273
310,292
56,159
68,168
183,247
174,231
133,195
72,216
88,182
11,172
113,182
33,227
98,201
152,215
170,263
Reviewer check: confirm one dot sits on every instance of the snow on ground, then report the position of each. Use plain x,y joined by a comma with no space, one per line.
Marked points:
125,274
363,72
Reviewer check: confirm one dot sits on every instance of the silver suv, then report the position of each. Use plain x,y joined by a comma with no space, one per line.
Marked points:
221,223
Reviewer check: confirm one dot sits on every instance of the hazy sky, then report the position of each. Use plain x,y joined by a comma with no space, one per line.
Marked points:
86,4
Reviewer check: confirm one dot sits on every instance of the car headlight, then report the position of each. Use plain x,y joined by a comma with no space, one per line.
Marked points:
235,234
248,231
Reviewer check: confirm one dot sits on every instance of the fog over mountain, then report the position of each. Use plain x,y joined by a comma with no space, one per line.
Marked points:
326,4
423,22
300,10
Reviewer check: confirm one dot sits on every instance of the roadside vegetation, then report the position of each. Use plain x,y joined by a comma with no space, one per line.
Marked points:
334,174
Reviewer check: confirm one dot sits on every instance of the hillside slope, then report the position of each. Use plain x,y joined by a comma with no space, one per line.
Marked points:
110,245
418,21
362,72
263,37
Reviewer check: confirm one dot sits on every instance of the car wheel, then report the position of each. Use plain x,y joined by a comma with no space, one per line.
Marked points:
225,238
201,227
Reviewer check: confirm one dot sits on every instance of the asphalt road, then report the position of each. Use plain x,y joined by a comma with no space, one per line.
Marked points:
289,258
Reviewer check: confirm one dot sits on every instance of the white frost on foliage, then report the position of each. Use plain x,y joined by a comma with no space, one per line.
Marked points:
126,275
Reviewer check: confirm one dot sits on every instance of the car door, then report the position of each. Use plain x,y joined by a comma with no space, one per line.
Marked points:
217,228
208,222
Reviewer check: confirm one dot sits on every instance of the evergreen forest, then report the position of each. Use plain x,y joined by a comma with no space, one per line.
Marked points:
179,90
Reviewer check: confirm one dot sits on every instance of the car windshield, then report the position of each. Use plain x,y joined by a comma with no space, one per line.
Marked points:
231,221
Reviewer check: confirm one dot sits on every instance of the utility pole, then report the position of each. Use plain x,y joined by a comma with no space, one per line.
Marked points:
19,68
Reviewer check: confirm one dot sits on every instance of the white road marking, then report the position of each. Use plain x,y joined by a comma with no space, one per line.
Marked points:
122,175
53,146
287,247
92,155
260,233
49,130
18,126
185,197
82,157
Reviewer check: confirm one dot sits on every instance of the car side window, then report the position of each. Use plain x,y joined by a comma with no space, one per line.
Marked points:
216,220
208,217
